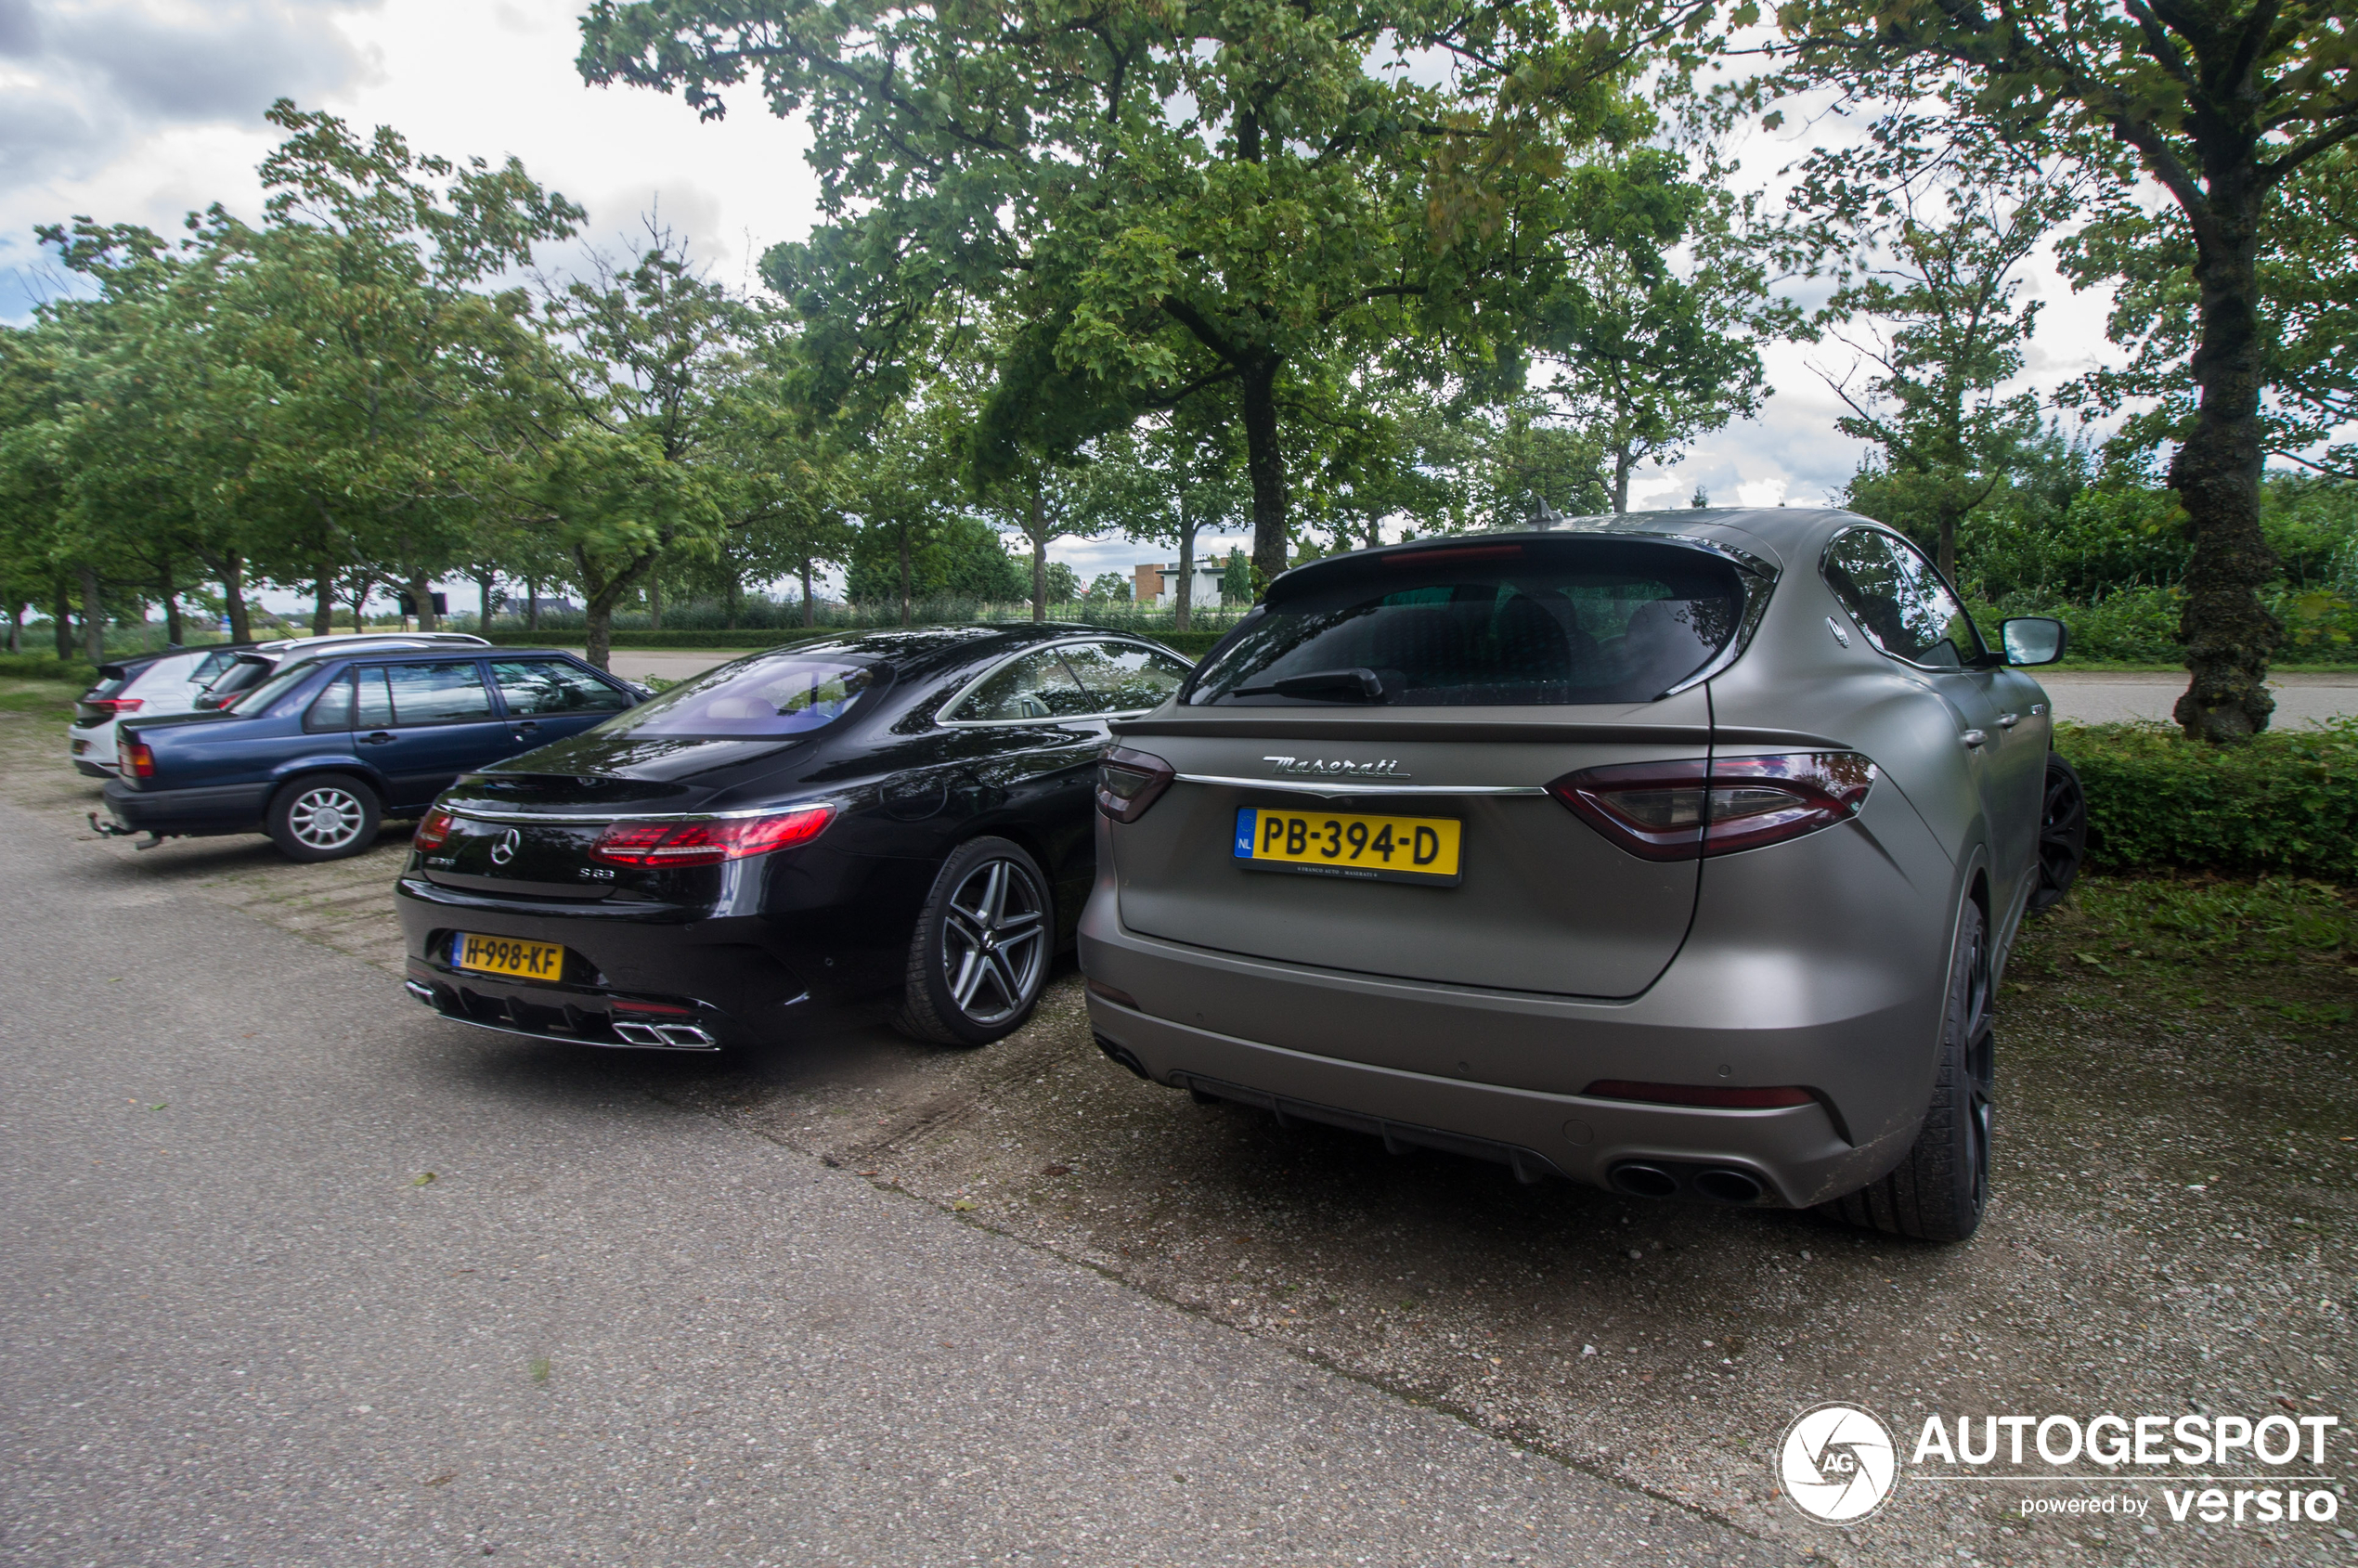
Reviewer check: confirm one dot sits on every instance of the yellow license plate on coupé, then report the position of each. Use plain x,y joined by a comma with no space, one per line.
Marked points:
1349,845
505,956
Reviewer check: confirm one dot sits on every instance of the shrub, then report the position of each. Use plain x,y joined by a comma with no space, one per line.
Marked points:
2283,801
46,667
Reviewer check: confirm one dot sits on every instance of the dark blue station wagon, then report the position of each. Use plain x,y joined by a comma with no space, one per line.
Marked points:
321,753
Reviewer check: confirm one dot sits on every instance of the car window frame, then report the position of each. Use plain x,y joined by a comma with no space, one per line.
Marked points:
631,699
1980,659
1057,646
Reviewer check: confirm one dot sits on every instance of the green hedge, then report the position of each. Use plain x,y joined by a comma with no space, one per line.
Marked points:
2284,801
46,667
1194,644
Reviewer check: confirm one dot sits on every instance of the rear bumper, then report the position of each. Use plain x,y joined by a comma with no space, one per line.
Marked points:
634,975
219,809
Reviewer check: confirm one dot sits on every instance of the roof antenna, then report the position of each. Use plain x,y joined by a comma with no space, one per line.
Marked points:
1543,515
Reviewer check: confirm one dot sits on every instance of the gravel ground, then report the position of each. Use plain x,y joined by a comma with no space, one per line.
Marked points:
2172,1230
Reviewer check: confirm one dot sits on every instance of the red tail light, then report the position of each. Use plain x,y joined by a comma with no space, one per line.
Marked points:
114,707
1681,810
709,843
137,760
1696,1095
433,831
1129,781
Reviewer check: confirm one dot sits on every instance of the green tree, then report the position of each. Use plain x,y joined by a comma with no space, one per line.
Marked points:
2221,105
1168,201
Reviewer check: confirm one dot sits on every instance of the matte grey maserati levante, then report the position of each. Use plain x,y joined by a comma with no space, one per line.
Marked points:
1675,852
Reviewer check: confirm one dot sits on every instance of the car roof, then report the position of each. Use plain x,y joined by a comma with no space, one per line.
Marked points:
1765,539
929,650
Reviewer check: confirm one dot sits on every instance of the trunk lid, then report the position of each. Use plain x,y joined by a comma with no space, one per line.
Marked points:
1542,902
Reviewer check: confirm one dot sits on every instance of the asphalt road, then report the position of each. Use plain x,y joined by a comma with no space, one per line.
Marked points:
292,1272
2083,696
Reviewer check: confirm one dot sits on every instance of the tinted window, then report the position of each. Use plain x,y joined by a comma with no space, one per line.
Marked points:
1542,622
437,693
332,709
534,688
777,695
1035,686
1899,600
1123,677
209,667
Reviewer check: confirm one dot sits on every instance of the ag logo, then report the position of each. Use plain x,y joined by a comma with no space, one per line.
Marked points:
1838,1463
505,851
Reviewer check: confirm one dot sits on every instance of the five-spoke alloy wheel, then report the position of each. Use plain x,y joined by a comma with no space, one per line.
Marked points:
981,947
2063,835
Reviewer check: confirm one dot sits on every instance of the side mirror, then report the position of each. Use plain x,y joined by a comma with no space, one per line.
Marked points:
2033,639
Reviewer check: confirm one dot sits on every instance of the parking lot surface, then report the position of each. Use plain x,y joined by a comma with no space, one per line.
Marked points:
989,1275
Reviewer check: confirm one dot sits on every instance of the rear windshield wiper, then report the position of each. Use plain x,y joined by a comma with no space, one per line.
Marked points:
1357,684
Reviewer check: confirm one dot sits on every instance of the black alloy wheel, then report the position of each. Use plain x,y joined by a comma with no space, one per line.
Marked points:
2063,835
981,947
325,817
1940,1188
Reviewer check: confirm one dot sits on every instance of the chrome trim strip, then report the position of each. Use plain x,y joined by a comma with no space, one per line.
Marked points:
1289,787
481,815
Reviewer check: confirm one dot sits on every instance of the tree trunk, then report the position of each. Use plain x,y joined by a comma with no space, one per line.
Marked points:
599,602
94,618
809,611
654,603
61,619
422,597
16,627
532,603
323,602
171,593
2229,635
904,576
1266,465
486,585
1622,463
1183,602
360,604
233,596
731,595
1948,551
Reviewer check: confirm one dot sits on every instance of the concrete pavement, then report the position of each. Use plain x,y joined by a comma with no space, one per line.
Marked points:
292,1272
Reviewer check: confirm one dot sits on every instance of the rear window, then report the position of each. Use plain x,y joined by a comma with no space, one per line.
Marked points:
1555,621
763,697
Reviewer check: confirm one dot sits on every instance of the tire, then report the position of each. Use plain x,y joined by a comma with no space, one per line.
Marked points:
325,817
2063,835
981,949
1939,1191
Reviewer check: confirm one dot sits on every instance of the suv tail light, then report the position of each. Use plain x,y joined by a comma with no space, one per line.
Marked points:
1129,781
1681,810
136,760
708,843
433,831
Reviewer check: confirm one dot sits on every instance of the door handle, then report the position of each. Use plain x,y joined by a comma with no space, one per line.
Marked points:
2008,721
380,738
532,726
1974,738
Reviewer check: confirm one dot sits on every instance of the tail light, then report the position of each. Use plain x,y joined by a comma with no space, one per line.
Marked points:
113,708
137,760
1129,781
1681,810
1712,1095
708,843
433,830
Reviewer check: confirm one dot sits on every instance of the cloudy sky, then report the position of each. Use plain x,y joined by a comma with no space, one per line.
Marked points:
138,110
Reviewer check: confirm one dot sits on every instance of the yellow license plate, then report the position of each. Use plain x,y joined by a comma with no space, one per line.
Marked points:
1348,844
505,956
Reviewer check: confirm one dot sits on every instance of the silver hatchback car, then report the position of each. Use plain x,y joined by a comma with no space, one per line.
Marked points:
1676,852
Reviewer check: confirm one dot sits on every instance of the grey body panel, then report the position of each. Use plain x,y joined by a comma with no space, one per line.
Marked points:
1821,962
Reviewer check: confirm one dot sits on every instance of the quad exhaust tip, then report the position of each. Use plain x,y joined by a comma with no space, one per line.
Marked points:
676,1037
1719,1184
